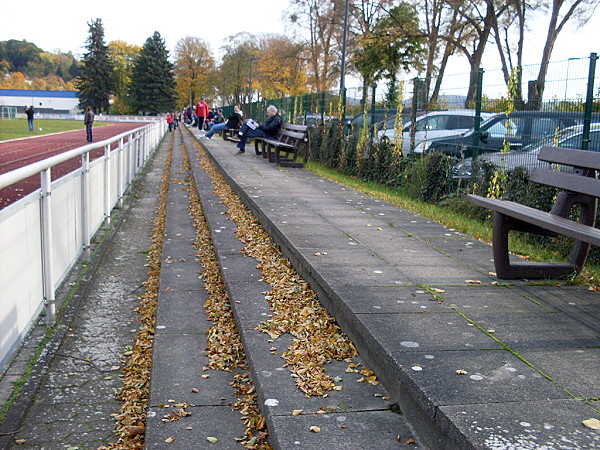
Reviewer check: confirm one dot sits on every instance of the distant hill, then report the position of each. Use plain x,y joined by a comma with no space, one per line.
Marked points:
23,65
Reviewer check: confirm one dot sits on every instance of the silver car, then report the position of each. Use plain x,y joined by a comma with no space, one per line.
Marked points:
571,137
431,125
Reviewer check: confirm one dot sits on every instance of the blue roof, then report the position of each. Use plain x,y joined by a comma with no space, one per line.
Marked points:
35,93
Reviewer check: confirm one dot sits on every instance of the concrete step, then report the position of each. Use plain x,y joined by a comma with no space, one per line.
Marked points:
356,417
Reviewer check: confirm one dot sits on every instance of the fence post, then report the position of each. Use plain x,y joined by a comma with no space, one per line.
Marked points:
478,100
413,113
589,103
47,257
343,100
372,119
85,204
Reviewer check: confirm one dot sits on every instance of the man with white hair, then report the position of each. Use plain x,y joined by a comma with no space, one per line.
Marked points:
268,129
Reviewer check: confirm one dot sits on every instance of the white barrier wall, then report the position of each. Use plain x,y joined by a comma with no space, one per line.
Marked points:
36,254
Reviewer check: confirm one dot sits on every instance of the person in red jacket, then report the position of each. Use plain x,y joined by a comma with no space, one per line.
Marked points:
201,112
170,121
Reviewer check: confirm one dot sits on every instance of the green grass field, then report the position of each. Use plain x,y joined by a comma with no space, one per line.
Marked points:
12,129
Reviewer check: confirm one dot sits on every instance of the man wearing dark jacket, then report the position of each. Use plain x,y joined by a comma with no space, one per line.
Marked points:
269,129
233,121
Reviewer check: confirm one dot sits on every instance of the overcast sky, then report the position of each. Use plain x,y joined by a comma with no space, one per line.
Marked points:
53,25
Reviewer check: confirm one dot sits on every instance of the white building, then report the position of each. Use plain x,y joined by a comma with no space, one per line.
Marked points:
58,102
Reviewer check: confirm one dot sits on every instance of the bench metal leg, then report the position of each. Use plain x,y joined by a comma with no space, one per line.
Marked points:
510,271
579,253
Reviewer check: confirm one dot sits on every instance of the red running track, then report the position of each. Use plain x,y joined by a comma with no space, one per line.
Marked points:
22,152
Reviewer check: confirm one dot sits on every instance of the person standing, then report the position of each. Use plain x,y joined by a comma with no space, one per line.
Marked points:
88,119
170,122
201,112
30,113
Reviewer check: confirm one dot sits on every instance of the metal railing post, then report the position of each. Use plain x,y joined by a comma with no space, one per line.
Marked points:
47,257
85,205
120,184
107,207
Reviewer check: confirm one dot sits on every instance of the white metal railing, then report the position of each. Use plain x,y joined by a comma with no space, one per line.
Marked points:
44,234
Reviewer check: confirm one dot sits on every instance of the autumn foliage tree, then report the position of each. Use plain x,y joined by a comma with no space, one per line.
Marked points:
280,70
122,56
194,70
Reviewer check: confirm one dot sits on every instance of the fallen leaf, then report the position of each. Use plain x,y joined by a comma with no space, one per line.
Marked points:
134,430
297,412
594,424
212,440
315,429
195,390
461,372
20,441
169,440
438,290
189,428
206,376
338,388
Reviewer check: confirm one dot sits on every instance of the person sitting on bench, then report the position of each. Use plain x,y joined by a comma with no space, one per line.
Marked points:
269,129
233,121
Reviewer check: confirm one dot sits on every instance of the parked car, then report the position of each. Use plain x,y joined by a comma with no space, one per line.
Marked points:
431,125
312,119
571,137
373,116
519,129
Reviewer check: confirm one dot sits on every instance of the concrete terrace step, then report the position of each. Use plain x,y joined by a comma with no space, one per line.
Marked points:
530,352
358,416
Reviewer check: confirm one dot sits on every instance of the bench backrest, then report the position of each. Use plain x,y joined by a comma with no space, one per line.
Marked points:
582,180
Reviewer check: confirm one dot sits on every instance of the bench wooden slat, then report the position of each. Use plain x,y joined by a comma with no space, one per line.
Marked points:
539,218
570,157
567,181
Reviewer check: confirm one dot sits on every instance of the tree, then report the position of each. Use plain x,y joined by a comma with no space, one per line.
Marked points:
559,16
152,82
279,72
234,72
394,43
194,67
95,82
122,56
323,19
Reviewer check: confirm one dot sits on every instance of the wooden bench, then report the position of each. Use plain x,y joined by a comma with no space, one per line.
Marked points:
230,134
579,187
289,148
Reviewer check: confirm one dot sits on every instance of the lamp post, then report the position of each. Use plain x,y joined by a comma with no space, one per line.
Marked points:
250,93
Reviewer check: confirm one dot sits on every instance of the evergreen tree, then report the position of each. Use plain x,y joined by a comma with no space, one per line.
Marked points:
153,82
95,81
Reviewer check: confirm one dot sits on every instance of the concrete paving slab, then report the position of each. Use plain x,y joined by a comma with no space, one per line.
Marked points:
389,299
575,370
191,432
425,332
537,330
550,424
253,309
490,299
492,376
372,430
